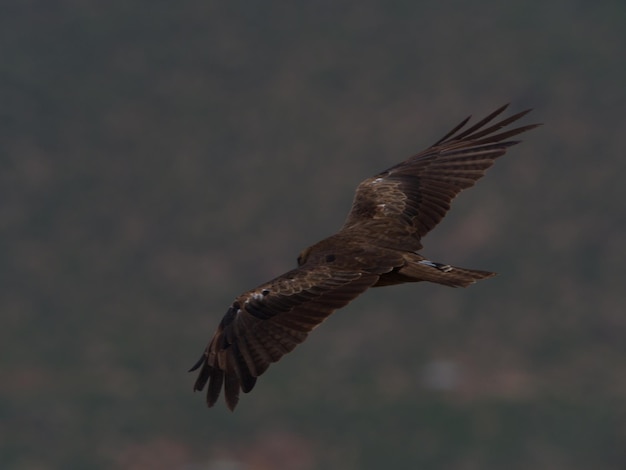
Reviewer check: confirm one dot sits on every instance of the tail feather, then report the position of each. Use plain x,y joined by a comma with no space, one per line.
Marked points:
453,276
419,269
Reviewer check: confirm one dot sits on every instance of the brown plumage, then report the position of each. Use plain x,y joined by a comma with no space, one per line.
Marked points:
377,246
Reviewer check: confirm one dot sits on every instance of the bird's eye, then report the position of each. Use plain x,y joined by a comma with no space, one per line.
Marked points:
330,258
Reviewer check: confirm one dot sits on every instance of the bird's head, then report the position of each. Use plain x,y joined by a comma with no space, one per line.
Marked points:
304,256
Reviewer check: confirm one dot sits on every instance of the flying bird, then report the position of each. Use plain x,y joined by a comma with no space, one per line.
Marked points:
378,245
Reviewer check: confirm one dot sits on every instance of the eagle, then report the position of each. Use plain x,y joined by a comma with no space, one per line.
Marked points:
378,245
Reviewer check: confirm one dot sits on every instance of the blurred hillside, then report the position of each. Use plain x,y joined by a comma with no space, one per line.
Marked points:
160,158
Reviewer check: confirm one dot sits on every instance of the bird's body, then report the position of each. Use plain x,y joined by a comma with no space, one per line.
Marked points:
377,246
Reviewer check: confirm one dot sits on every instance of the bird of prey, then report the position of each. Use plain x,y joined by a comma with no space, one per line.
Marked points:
378,245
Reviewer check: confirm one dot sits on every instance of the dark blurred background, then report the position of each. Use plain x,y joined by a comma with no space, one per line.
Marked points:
159,158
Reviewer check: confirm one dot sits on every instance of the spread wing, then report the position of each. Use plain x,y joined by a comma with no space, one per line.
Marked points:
268,322
403,203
